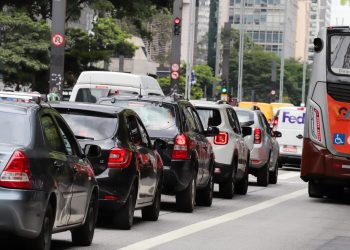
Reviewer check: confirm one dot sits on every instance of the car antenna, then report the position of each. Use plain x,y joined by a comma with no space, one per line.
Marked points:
140,95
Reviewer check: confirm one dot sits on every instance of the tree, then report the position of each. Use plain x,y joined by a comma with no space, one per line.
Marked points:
24,47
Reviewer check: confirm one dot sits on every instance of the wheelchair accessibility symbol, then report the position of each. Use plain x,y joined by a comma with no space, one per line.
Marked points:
339,139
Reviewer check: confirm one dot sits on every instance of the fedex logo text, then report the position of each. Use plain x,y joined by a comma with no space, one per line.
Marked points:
287,117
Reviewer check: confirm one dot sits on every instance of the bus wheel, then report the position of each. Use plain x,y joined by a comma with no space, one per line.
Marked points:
315,190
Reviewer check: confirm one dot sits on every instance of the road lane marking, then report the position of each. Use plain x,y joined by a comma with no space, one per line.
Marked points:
200,226
288,175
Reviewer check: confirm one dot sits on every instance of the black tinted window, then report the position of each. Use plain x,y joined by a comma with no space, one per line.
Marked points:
159,119
209,117
94,127
52,134
94,94
19,133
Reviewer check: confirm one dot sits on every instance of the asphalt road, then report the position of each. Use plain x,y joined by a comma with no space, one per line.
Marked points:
281,216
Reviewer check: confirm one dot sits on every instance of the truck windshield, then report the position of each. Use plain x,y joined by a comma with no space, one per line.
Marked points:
340,54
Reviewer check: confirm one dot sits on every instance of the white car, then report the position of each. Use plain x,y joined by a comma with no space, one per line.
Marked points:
230,149
290,122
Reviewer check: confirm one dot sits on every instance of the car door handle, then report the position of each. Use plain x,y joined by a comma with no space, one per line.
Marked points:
58,164
299,136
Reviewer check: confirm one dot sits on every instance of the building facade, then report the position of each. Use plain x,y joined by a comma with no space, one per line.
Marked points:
267,22
303,27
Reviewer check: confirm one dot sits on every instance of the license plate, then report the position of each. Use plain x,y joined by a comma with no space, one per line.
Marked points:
290,149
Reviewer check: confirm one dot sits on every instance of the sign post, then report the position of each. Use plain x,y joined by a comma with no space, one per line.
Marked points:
57,48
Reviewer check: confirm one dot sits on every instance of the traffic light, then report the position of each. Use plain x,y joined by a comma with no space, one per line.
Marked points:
224,89
177,26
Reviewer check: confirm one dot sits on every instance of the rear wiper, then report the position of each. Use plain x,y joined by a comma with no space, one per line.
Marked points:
84,137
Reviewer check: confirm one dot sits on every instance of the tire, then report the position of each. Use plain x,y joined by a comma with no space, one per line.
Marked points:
151,213
124,218
185,200
274,174
227,188
315,190
83,235
242,186
263,176
205,196
43,241
335,192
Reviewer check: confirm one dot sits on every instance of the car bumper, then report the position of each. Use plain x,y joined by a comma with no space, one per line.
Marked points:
222,172
178,176
290,159
22,211
318,164
258,157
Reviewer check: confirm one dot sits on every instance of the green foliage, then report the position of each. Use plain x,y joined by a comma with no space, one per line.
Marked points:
24,47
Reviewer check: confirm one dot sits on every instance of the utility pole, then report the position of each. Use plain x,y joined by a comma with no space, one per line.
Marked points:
57,46
176,47
283,52
218,42
190,49
241,53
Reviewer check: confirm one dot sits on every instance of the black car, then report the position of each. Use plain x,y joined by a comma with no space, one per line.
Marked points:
189,158
47,184
129,171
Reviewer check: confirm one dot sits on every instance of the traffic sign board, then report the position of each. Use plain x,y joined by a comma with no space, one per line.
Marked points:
57,40
175,67
174,75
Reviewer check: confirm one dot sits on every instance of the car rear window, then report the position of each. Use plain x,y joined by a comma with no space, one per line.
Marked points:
19,132
91,127
158,118
245,118
209,117
94,94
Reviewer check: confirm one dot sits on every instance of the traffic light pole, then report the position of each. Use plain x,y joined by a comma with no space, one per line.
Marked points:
57,46
190,49
176,47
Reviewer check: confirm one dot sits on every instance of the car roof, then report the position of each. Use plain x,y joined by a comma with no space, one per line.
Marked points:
163,99
292,108
17,107
245,109
208,104
108,109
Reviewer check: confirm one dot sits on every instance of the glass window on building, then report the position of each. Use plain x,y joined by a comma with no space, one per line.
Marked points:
269,37
255,36
263,19
262,36
236,19
257,2
275,37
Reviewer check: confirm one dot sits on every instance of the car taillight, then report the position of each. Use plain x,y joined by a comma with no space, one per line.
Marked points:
119,158
221,138
257,136
275,122
16,174
180,151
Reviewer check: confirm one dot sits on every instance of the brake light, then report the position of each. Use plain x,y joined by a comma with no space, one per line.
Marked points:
300,108
257,136
119,158
275,122
16,174
180,151
221,138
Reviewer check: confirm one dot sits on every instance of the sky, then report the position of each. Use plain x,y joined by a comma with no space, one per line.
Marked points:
340,14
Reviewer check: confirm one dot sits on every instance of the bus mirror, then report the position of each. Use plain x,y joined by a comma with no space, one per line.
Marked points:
318,44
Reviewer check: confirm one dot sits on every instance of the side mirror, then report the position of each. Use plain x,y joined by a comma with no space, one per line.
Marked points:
91,150
246,131
276,134
160,144
211,131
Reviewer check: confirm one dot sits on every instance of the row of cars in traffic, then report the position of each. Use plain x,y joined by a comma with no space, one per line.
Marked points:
63,164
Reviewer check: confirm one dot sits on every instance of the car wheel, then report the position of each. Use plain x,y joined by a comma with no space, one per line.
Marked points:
124,218
205,196
242,185
43,241
274,174
83,235
227,188
263,176
151,213
315,190
185,200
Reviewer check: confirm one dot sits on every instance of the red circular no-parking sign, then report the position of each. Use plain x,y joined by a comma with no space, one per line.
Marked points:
175,75
57,40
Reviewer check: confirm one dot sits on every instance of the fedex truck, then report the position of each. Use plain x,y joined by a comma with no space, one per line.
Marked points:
290,122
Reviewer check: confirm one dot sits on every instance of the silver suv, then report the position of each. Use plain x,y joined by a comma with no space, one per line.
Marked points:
263,145
230,149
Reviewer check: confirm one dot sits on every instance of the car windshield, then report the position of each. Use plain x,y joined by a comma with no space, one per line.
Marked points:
340,54
18,134
158,118
209,117
245,118
94,94
91,127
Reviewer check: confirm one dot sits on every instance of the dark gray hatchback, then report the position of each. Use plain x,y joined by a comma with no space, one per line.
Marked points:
47,184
